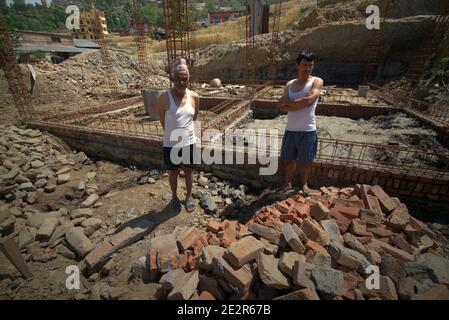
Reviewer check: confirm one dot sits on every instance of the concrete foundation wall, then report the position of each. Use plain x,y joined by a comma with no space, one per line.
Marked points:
145,152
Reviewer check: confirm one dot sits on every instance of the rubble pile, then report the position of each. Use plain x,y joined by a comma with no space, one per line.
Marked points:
329,245
43,65
32,165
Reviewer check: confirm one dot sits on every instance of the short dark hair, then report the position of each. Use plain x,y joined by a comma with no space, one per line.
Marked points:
305,54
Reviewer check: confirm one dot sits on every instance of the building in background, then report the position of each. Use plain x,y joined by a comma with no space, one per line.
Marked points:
89,28
223,16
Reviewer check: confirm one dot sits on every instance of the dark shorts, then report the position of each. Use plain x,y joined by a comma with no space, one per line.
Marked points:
186,154
301,146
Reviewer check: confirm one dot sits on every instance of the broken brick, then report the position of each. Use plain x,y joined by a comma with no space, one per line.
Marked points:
315,232
349,212
316,247
319,211
358,228
386,203
303,294
213,226
243,251
188,238
342,221
293,239
238,279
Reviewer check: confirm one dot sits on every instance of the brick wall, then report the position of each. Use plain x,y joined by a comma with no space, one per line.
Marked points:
145,153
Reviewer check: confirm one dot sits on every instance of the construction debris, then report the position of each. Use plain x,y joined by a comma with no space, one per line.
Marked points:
312,260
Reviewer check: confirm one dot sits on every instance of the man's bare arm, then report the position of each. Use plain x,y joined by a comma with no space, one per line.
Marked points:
305,102
196,99
162,106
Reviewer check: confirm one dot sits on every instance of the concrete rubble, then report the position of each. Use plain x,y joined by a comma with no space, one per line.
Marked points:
328,258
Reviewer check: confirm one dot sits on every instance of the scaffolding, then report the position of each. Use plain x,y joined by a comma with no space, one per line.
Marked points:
250,72
141,44
111,76
428,48
13,74
274,52
376,43
177,31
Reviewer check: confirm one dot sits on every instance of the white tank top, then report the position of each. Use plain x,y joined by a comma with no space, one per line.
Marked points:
303,119
179,119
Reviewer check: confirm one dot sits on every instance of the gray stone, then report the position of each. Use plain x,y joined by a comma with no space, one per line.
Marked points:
171,278
90,201
269,234
65,252
184,290
141,269
288,260
208,204
269,273
81,186
348,257
21,179
206,259
89,231
62,171
4,213
203,181
26,236
36,219
40,183
438,266
46,229
422,285
91,175
393,268
326,280
78,221
82,213
50,187
319,211
63,178
300,277
92,222
37,164
319,259
151,180
292,239
78,241
331,228
27,186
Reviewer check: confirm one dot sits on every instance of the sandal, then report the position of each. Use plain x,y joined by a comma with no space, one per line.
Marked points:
190,205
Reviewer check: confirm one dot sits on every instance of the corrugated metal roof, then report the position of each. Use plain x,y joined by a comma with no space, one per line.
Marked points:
49,48
83,43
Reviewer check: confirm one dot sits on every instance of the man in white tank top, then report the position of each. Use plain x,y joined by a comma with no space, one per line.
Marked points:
299,144
178,109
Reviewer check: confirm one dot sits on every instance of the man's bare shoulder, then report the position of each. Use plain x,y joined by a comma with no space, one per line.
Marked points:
194,94
318,80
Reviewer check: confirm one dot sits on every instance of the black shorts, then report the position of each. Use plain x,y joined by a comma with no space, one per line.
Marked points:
190,153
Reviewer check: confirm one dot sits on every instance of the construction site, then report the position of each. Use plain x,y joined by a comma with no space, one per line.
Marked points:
83,182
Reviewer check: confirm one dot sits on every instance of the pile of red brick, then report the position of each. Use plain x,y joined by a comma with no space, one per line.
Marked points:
46,66
319,247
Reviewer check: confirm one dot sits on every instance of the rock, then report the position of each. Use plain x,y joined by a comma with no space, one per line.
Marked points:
91,175
89,231
331,228
90,201
393,268
36,219
319,211
82,213
82,186
326,280
62,171
37,164
4,213
63,178
40,183
50,187
300,277
243,251
26,236
348,257
21,179
46,229
437,292
78,241
95,223
151,180
288,260
116,292
315,232
65,252
184,290
407,288
203,181
215,83
438,267
269,234
78,221
292,239
208,204
269,272
27,186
